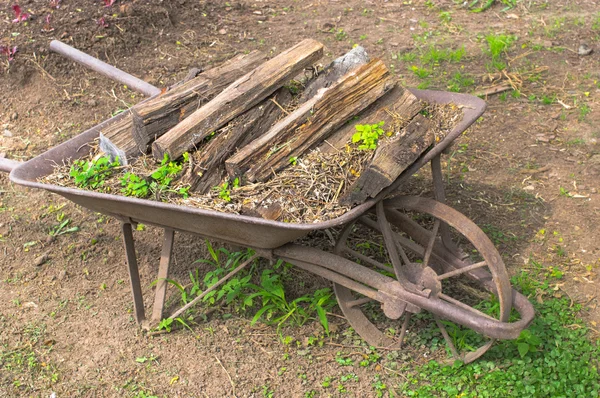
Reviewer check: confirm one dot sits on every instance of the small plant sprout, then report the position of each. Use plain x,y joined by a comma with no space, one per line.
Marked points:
102,22
108,3
47,27
293,160
367,135
225,190
19,15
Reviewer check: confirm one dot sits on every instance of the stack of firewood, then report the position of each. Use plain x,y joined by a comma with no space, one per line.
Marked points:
244,123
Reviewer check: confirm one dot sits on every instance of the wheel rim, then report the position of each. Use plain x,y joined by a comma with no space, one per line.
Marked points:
439,259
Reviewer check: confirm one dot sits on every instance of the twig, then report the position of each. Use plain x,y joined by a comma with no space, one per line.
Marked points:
535,171
228,375
42,69
500,88
279,106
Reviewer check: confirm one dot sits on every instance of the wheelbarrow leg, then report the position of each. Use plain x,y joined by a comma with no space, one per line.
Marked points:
134,275
163,274
440,195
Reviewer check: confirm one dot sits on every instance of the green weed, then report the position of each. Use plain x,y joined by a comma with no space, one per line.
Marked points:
498,45
159,182
367,135
435,56
420,72
225,190
483,5
445,16
340,34
62,228
240,292
596,22
276,309
460,82
92,174
584,110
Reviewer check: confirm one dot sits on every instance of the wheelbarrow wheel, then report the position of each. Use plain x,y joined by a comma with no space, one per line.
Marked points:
421,238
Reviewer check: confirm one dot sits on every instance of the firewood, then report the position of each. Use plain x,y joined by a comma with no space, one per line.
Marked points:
396,108
237,98
334,71
153,118
209,166
118,138
310,123
391,158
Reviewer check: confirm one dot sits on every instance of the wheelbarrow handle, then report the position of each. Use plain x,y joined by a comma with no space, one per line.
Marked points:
7,165
102,67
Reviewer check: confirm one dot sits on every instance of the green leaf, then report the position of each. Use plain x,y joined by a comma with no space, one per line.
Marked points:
523,349
323,318
260,312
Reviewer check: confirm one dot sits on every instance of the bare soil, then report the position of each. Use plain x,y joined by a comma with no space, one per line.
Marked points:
527,173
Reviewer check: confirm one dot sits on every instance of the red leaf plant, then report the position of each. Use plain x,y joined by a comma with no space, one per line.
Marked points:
19,15
102,22
9,52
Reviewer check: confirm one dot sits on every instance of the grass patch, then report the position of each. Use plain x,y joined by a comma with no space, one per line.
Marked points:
26,364
554,357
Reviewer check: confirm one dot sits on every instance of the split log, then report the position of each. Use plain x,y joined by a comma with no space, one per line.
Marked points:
117,139
334,71
153,118
209,166
395,109
391,158
311,123
237,98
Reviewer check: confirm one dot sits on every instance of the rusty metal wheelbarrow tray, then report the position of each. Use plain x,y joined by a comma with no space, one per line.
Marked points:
225,227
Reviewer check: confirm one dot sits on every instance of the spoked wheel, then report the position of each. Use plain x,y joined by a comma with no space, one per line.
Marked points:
422,239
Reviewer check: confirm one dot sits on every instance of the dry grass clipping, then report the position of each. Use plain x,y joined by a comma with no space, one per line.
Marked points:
304,192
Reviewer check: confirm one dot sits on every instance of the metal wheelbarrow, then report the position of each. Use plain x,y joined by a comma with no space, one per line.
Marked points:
424,259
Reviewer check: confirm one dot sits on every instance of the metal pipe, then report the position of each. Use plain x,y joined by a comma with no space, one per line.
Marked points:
102,67
6,165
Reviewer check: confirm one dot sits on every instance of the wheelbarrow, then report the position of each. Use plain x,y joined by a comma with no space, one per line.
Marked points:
419,235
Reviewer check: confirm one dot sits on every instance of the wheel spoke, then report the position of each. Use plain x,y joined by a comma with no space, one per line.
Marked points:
464,306
462,270
360,301
366,259
436,226
446,337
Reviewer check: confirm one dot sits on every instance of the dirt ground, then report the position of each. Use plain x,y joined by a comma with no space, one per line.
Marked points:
528,173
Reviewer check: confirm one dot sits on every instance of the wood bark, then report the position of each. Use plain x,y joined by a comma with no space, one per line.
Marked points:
237,98
391,158
396,109
310,123
209,166
153,118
